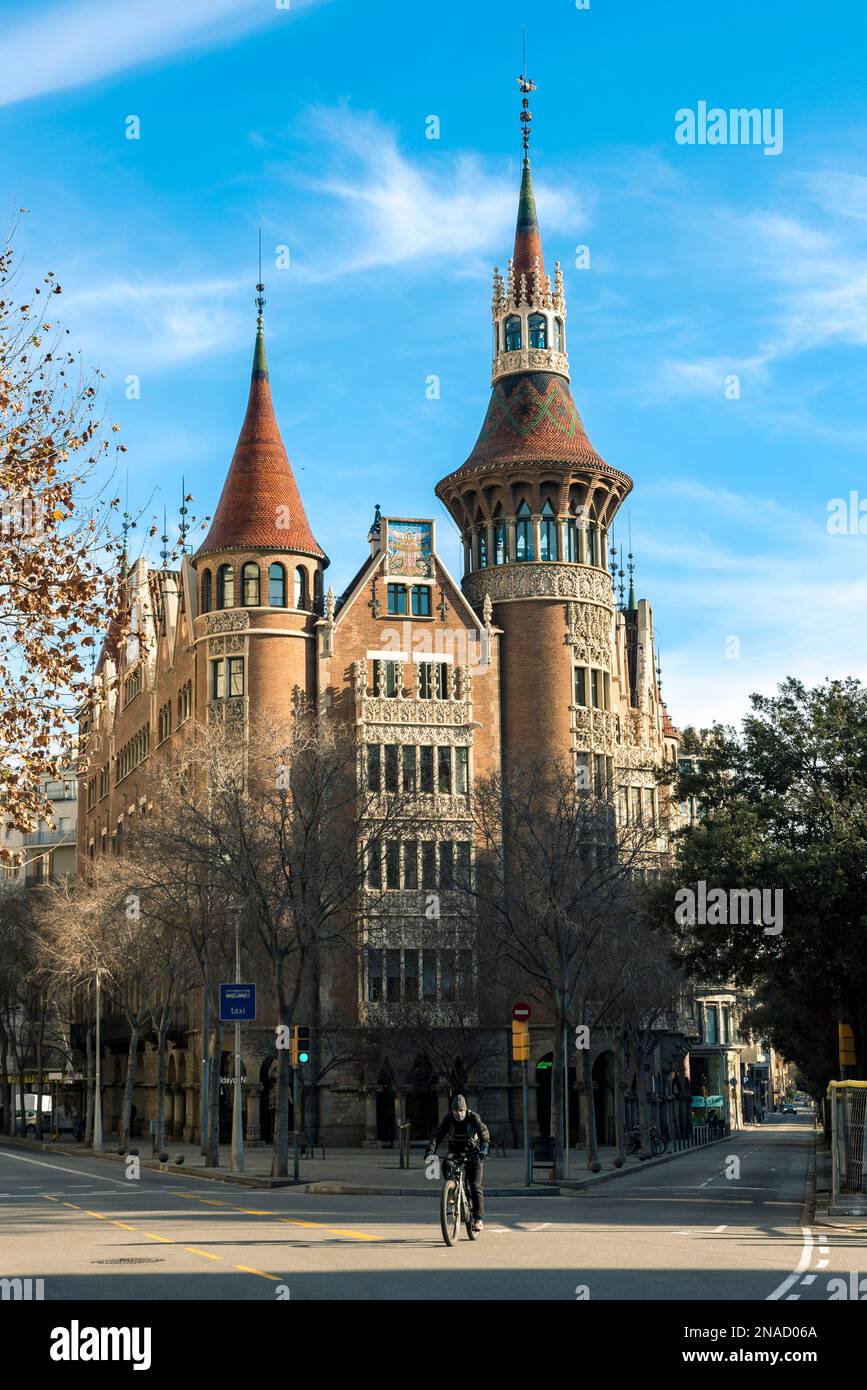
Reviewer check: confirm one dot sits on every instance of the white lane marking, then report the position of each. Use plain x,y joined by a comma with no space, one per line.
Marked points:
800,1268
539,1228
809,1279
59,1168
718,1230
792,1298
822,1264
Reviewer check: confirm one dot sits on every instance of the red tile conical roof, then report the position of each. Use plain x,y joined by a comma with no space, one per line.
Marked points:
260,507
528,238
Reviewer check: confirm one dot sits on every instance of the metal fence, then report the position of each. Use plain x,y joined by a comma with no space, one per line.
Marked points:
848,1107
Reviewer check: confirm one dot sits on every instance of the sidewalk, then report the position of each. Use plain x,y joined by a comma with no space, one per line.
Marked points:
822,1216
367,1172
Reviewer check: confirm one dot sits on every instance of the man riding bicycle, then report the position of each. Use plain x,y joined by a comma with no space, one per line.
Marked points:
467,1132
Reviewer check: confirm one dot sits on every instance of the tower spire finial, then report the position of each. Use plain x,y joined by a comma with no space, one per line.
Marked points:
260,288
526,85
630,566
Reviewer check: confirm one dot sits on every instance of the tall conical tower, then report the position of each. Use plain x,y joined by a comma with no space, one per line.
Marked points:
534,502
259,573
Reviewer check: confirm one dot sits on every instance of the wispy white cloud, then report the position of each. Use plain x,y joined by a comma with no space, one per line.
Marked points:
70,45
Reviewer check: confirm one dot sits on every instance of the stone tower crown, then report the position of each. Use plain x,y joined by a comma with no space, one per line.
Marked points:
529,314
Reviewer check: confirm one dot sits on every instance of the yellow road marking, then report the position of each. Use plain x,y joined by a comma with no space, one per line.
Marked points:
276,1279
165,1240
46,1198
124,1226
98,1214
285,1220
72,1204
332,1230
206,1253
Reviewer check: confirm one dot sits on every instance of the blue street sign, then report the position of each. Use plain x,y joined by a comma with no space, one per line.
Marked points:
237,1003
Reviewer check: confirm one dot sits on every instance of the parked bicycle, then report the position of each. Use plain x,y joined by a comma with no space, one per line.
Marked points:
657,1143
455,1200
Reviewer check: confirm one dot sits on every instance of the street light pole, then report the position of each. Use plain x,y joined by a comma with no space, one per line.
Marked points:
97,1099
237,1112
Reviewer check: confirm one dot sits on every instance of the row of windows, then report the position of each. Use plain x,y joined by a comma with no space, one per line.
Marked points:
594,772
636,805
251,587
227,677
164,722
132,686
396,767
413,864
592,687
592,552
435,679
414,600
409,976
133,753
537,333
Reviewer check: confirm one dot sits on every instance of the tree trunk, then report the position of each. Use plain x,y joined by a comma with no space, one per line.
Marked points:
212,1151
40,1037
161,1082
590,1118
558,1089
5,1087
619,1100
644,1119
89,1084
123,1127
280,1156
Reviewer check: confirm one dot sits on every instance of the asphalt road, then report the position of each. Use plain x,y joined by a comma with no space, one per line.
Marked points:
684,1230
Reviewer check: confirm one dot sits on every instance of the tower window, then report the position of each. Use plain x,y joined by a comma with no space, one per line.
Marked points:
397,598
548,534
317,592
300,587
250,585
523,534
235,666
277,586
513,334
573,553
421,600
592,557
226,586
538,331
558,335
483,547
385,678
580,686
206,591
501,546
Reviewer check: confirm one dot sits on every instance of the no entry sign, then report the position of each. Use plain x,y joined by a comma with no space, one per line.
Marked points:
521,1011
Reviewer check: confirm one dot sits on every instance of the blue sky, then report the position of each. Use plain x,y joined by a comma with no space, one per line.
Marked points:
705,262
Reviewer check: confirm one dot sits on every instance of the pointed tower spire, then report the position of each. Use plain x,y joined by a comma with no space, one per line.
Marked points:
260,507
630,567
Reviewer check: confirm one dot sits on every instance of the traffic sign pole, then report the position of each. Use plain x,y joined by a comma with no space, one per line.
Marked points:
521,1053
296,1101
237,1111
528,1172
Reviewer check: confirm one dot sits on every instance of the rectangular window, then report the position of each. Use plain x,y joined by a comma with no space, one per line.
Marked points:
426,781
374,766
635,798
397,598
580,686
594,688
392,977
464,983
429,976
447,864
410,976
501,554
447,967
392,864
408,769
607,684
391,752
462,776
444,769
598,765
374,867
442,680
421,600
385,679
582,771
425,680
462,864
572,551
236,675
374,976
428,864
218,680
410,864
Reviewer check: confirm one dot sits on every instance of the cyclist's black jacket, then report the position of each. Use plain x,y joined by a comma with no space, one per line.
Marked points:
461,1131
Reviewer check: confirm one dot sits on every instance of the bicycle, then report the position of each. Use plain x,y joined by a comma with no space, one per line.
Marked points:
454,1202
658,1143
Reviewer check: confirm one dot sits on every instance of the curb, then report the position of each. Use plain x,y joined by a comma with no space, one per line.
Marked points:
821,1196
344,1189
577,1184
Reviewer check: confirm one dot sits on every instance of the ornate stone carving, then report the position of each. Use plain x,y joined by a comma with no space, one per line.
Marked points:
631,756
377,709
233,621
543,579
530,360
593,730
231,644
589,632
232,711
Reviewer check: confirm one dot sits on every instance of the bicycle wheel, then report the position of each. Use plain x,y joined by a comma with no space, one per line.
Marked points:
450,1212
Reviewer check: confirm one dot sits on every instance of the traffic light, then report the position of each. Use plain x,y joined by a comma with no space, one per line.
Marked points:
300,1045
520,1041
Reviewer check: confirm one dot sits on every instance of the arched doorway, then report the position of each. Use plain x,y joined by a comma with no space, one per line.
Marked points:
227,1092
544,1068
603,1097
422,1102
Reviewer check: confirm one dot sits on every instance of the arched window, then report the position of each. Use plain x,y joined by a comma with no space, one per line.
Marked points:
573,541
548,533
558,335
501,547
206,591
300,587
226,586
317,591
523,534
250,585
277,586
513,334
538,330
592,548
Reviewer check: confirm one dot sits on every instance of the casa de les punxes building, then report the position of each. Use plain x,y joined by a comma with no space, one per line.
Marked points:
530,649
